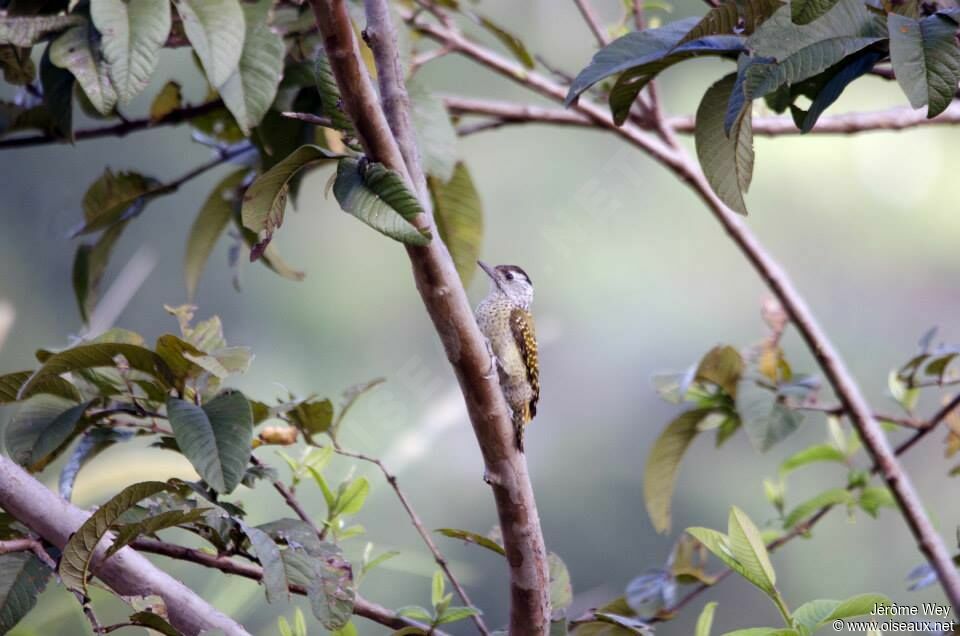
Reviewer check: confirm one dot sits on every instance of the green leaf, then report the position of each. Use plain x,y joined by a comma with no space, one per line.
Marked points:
312,417
561,591
718,544
215,438
154,622
10,384
806,11
721,366
213,218
832,497
265,200
78,51
57,85
90,264
810,615
727,161
764,418
330,102
644,54
458,214
416,613
749,550
663,464
856,606
42,429
169,99
328,580
436,136
437,587
89,356
380,198
454,614
817,453
216,30
114,197
705,621
127,532
25,31
824,89
785,53
79,549
926,59
473,537
268,554
251,88
133,32
510,41
876,497
763,631
351,497
22,578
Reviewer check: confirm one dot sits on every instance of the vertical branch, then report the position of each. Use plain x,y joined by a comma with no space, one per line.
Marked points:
446,303
675,158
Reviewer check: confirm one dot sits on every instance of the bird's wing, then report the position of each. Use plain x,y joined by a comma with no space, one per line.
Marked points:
521,324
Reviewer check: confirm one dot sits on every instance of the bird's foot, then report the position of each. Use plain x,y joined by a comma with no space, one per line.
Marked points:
494,362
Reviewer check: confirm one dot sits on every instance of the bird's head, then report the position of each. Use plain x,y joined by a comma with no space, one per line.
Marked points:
510,281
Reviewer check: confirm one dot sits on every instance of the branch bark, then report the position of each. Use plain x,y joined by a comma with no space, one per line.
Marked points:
678,161
126,572
446,303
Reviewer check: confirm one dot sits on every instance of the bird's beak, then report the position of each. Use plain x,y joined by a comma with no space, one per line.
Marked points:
489,270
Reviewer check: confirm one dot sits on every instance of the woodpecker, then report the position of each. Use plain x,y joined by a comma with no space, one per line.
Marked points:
504,318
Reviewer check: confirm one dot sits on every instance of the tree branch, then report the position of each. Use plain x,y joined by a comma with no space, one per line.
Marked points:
122,129
590,17
361,607
446,302
126,572
678,161
421,530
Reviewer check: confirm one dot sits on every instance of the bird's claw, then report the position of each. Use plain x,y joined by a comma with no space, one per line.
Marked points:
492,371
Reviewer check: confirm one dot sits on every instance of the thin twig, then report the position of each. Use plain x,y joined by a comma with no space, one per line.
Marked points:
361,607
418,525
447,304
292,502
122,129
677,160
310,118
593,22
905,422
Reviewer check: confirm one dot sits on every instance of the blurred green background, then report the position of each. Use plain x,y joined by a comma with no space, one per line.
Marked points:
633,277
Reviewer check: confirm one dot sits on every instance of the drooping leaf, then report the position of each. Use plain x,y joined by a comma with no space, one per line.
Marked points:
169,99
132,32
330,104
824,89
23,577
782,52
727,161
57,85
663,464
78,51
250,89
89,266
215,437
380,198
458,214
93,441
90,356
328,580
749,550
25,31
721,366
436,136
926,59
127,532
473,537
113,197
705,620
154,622
10,384
79,549
42,429
268,554
212,219
265,200
765,418
216,30
313,417
561,591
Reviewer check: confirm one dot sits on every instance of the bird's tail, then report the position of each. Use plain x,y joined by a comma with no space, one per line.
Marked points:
520,419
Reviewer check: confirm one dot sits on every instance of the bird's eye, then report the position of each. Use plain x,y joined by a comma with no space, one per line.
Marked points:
509,275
